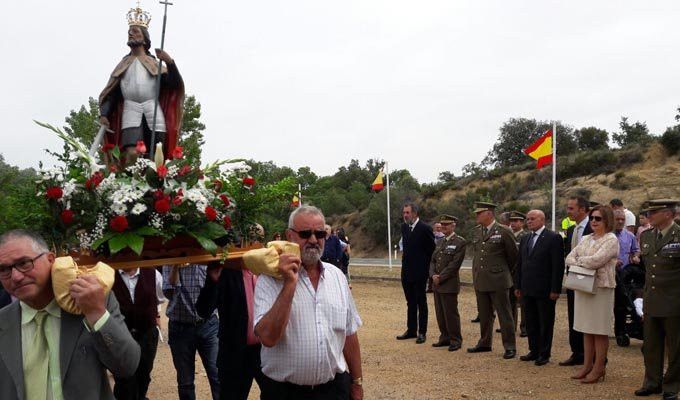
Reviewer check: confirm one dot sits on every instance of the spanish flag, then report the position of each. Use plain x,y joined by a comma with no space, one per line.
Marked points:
378,182
295,202
541,150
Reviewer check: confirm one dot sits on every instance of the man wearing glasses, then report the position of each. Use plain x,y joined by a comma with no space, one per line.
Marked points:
48,353
308,322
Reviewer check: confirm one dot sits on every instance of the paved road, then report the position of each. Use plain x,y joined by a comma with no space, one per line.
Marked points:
377,262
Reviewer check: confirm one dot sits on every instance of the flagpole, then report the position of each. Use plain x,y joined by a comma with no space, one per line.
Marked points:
389,224
554,173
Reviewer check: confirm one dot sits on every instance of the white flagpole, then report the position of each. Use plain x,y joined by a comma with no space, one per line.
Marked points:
389,224
299,195
554,173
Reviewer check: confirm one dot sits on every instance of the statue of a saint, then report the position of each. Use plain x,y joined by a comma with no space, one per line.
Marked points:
127,103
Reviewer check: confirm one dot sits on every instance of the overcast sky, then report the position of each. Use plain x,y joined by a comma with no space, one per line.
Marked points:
422,84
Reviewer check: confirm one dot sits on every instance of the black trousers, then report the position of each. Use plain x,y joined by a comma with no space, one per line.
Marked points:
336,389
136,386
575,337
620,307
237,379
540,315
416,306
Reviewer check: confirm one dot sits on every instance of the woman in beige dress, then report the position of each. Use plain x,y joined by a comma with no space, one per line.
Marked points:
594,313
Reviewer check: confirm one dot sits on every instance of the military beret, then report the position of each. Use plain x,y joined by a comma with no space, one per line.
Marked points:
517,216
484,206
447,219
659,204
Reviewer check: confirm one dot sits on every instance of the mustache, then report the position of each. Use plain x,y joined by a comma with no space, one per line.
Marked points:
135,43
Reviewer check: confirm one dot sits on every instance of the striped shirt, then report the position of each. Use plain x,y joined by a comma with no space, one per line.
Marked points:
310,351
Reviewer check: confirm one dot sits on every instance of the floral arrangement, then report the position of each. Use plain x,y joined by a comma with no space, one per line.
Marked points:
107,208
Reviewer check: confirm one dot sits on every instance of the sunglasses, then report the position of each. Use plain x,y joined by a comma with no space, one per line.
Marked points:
596,218
306,234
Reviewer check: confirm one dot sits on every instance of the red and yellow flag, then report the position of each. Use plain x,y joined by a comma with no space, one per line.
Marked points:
541,150
378,182
295,202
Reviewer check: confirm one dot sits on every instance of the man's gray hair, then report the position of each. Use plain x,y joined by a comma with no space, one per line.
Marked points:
414,207
37,242
619,212
303,210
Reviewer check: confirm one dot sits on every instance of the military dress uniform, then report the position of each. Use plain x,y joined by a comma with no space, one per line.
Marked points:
493,267
514,301
447,258
660,252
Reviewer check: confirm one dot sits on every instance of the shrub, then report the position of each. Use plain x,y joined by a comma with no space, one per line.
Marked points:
671,140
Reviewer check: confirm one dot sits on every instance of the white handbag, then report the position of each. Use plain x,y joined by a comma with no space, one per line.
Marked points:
581,279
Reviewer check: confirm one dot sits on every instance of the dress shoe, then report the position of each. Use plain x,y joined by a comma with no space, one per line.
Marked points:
509,354
476,320
623,340
670,396
454,347
441,344
421,338
523,334
540,361
406,335
644,392
529,357
498,330
479,349
571,361
594,377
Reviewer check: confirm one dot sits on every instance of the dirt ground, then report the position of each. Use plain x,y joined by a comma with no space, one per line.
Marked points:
404,370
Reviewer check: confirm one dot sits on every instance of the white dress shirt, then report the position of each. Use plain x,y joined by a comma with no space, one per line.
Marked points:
310,351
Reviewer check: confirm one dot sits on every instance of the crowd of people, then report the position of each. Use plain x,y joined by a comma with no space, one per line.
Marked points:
621,278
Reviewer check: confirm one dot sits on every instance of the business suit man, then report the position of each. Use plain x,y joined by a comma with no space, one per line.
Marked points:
88,344
418,242
539,283
445,274
493,266
577,210
660,249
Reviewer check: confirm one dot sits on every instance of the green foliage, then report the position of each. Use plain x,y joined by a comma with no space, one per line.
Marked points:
631,134
591,138
671,140
191,133
19,205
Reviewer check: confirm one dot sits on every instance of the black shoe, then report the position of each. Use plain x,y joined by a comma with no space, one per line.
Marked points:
523,334
406,335
669,396
454,347
509,354
476,320
623,340
529,357
644,392
571,361
421,338
441,344
541,361
498,330
479,349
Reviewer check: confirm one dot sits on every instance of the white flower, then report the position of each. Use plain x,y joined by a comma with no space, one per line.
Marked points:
138,209
119,208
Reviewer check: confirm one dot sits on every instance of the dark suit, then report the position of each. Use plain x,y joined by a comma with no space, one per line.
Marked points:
418,246
5,298
237,362
539,273
575,337
84,357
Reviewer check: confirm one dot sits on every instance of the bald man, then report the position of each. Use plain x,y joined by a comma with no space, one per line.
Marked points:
539,284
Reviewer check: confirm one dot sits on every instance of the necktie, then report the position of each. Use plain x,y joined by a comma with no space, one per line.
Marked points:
574,237
485,231
37,361
532,241
659,236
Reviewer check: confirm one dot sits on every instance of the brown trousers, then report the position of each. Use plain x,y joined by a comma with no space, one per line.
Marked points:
448,319
487,302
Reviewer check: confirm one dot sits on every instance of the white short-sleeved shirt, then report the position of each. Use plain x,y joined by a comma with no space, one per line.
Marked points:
630,217
310,351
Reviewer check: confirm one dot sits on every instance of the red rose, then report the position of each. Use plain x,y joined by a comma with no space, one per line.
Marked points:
178,152
177,200
66,217
227,221
162,206
249,181
225,200
94,180
141,147
108,147
184,170
119,223
158,194
54,193
210,213
162,171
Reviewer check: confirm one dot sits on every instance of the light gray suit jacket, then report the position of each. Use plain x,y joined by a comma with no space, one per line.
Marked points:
84,356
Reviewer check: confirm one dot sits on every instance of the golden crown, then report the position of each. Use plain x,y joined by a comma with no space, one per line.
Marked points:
138,17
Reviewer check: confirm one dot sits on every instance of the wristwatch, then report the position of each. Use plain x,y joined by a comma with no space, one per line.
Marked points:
358,381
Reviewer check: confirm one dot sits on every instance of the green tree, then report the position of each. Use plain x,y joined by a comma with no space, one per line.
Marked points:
592,138
19,205
191,133
671,139
630,134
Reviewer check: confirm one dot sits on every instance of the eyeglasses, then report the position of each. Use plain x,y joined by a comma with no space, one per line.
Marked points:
596,218
306,234
22,266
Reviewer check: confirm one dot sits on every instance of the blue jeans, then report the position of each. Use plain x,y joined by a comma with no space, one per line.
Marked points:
184,340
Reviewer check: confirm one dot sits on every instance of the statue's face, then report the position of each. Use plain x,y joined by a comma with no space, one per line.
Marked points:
135,36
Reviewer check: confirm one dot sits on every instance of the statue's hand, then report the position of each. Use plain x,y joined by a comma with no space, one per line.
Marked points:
104,121
164,56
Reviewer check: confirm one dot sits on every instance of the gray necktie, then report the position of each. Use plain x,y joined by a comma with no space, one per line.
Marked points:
574,237
532,241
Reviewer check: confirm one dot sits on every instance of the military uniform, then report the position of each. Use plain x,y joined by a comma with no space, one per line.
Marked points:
514,301
493,267
447,258
660,252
